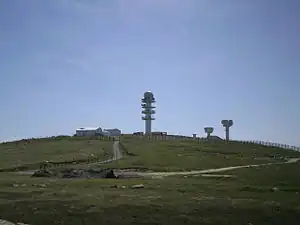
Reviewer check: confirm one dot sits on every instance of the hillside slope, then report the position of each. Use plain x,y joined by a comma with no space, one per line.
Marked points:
262,195
32,152
179,155
249,198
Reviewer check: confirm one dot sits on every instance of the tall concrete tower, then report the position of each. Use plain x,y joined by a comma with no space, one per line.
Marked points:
148,110
227,124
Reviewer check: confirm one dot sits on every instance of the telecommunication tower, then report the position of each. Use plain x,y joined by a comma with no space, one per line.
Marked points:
227,124
148,110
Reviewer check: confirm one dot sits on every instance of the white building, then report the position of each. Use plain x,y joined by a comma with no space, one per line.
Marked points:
97,132
88,131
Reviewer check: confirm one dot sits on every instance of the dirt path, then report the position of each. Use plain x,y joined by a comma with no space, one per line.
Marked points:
208,171
116,151
5,222
116,155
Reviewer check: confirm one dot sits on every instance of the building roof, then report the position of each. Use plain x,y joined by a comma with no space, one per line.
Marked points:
97,128
87,129
114,129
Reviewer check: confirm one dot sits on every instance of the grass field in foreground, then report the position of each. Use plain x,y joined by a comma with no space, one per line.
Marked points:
173,200
178,155
283,177
59,149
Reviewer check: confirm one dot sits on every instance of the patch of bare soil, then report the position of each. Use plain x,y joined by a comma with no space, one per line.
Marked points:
75,173
68,173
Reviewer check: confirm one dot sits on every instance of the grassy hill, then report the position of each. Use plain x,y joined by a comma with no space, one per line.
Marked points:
247,198
179,155
30,153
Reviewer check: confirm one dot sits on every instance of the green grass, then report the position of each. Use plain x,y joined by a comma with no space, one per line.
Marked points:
34,151
173,200
178,155
246,199
284,177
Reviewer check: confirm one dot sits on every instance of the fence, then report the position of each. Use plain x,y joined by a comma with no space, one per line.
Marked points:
272,144
164,137
215,138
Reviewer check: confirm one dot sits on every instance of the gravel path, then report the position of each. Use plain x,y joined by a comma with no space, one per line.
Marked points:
116,151
5,222
116,155
208,171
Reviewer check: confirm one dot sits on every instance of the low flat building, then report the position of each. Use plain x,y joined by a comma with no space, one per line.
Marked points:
90,132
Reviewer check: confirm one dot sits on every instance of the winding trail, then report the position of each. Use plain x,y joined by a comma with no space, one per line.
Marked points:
116,151
209,171
116,155
5,222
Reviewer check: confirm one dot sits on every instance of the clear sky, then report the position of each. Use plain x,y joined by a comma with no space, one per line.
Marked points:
66,64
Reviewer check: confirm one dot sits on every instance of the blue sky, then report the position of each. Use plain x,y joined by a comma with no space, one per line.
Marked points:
66,64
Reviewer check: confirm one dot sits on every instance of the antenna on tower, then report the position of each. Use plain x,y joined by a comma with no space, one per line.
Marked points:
208,130
227,124
148,111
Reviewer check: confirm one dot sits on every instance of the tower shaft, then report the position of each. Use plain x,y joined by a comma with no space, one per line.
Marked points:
227,124
148,127
227,133
148,111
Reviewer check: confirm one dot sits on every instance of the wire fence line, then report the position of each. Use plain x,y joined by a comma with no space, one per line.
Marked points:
216,138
